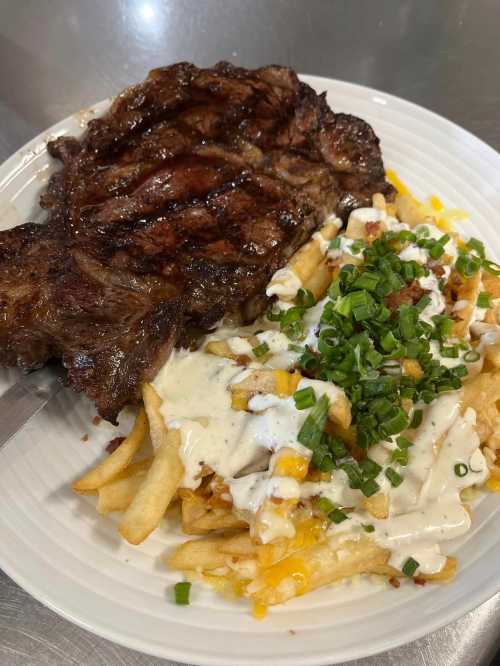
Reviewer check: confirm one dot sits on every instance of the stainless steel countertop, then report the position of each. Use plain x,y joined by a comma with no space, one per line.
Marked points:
57,56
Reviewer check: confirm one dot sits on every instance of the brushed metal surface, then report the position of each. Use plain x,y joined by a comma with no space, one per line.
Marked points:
25,399
58,56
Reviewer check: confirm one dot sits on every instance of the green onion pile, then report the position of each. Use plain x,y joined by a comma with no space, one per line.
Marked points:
360,347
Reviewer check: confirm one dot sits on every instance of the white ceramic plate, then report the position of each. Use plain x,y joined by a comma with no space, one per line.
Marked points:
56,546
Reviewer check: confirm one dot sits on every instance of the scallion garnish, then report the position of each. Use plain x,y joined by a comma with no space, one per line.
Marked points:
394,478
261,350
483,300
477,246
468,265
461,469
304,398
325,505
369,487
472,356
305,298
368,528
337,516
410,566
181,593
312,430
416,419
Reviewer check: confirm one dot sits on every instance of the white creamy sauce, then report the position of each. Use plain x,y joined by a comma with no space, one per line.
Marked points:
195,388
346,247
438,302
250,491
285,283
414,253
434,349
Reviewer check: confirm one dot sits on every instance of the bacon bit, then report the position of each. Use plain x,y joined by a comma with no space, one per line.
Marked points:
394,582
114,444
419,581
96,420
85,438
408,295
372,229
241,359
437,269
292,632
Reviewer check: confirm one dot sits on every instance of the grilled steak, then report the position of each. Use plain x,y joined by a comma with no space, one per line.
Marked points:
171,211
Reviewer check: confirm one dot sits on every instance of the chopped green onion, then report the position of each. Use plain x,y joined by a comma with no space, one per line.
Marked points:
423,303
308,361
335,243
295,348
396,423
374,358
369,487
389,342
305,298
368,528
436,251
483,300
334,290
337,516
337,447
367,280
400,456
353,474
468,265
343,306
261,350
370,468
304,398
403,442
491,267
394,478
312,430
325,505
410,566
407,236
408,317
461,469
181,592
472,356
476,246
416,419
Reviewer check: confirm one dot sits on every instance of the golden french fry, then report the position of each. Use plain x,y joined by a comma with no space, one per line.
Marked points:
109,468
239,545
323,564
119,493
377,505
218,519
162,480
317,566
222,348
492,354
491,284
320,280
482,393
464,289
199,554
306,260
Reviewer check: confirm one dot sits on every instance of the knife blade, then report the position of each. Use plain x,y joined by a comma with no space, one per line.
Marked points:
25,399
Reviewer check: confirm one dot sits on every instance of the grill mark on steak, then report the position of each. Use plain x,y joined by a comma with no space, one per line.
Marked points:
173,210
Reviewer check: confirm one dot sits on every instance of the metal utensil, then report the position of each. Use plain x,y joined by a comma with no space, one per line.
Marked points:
25,399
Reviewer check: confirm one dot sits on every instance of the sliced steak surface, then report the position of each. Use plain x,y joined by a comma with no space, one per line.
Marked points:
173,210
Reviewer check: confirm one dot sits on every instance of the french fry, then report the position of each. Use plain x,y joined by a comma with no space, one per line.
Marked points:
108,469
482,393
320,280
218,519
118,494
317,566
491,284
196,554
239,545
222,348
162,480
306,260
322,564
464,289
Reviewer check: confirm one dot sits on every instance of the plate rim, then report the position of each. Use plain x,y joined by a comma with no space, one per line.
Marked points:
475,596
